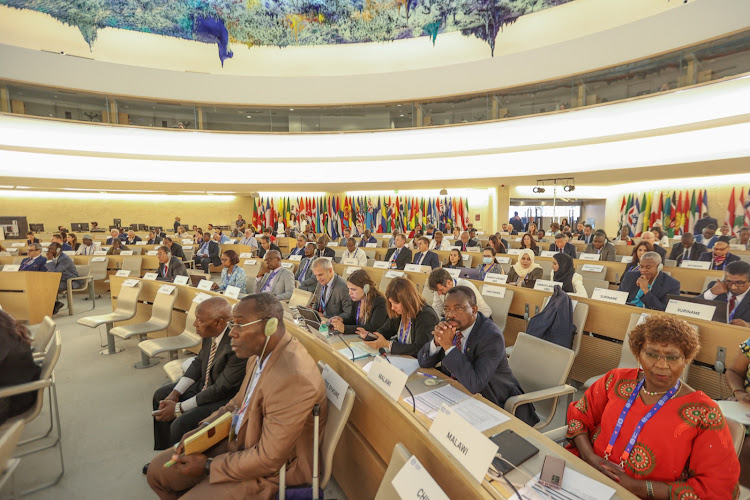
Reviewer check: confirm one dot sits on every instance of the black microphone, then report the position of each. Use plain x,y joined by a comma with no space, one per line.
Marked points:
413,399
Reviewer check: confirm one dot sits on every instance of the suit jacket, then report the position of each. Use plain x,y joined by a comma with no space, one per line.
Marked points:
702,223
308,281
64,264
225,378
327,252
176,226
378,316
708,257
421,331
404,257
569,249
282,287
272,246
339,303
364,241
693,253
297,251
741,310
658,249
608,251
154,241
483,368
587,239
430,259
470,243
708,242
176,268
277,426
177,251
128,241
213,252
109,240
37,265
656,298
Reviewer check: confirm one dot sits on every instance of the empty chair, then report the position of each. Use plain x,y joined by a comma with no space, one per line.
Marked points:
399,457
300,298
590,284
499,306
136,249
46,381
738,434
10,433
385,280
543,383
42,337
188,253
98,266
127,306
707,282
84,276
594,275
185,340
334,428
132,264
18,260
176,368
428,294
161,318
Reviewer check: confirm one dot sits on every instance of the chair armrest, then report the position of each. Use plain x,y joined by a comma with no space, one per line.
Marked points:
557,435
553,392
70,280
14,390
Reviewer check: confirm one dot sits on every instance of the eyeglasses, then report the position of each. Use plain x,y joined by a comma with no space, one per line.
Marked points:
656,357
232,325
735,283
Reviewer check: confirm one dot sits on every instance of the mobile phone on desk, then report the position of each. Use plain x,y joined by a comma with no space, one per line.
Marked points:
370,337
552,472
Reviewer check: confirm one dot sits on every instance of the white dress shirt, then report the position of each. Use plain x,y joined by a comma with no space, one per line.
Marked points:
184,384
358,254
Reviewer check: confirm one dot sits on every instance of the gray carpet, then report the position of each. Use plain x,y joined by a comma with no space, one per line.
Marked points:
105,407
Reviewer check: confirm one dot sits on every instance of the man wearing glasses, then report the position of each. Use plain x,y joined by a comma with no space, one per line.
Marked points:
35,261
732,292
272,414
273,278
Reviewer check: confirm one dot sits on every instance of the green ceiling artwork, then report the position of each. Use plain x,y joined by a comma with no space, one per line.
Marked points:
284,23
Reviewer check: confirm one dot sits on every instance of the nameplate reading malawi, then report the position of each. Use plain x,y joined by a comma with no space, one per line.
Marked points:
469,446
690,309
614,296
387,377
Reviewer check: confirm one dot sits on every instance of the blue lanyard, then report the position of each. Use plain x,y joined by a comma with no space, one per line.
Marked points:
304,270
659,404
359,306
403,333
270,279
325,296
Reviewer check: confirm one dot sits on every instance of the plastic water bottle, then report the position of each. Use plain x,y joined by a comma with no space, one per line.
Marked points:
323,329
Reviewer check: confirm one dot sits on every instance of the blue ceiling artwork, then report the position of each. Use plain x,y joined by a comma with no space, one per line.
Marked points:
284,23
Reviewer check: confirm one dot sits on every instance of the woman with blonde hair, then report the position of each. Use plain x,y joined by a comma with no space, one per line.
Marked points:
410,320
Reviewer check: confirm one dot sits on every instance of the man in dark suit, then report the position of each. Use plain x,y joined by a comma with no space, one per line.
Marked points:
707,220
153,239
174,248
648,287
602,247
266,244
323,250
367,237
650,237
345,238
561,245
466,242
207,254
399,255
35,261
58,238
58,262
331,295
132,238
113,235
176,224
169,266
304,275
516,222
687,249
300,248
731,292
586,235
719,256
214,376
708,236
425,257
471,349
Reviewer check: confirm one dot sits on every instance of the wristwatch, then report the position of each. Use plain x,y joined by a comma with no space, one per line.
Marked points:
207,468
177,410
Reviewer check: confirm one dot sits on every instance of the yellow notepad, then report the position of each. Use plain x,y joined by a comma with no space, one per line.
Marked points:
210,435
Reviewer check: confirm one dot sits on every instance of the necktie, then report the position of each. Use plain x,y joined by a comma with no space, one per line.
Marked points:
395,256
210,361
165,270
304,270
27,264
457,340
732,303
421,256
684,254
463,247
322,302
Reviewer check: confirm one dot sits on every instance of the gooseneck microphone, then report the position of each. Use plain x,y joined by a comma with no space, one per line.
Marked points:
413,399
341,338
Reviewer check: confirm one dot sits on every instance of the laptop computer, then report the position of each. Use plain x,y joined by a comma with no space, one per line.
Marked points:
469,273
197,278
720,313
309,314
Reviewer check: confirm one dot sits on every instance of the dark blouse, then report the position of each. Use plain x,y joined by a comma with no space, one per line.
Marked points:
16,367
421,331
378,316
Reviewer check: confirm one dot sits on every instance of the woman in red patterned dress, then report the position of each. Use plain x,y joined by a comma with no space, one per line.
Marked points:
684,449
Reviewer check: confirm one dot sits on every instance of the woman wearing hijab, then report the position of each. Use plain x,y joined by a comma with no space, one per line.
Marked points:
564,272
525,272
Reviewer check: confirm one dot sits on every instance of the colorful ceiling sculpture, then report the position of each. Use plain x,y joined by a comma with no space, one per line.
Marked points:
284,23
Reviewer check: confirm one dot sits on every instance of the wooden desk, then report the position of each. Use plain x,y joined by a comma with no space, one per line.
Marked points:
29,296
377,424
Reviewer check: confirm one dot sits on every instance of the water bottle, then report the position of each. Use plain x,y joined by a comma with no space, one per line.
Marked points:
323,329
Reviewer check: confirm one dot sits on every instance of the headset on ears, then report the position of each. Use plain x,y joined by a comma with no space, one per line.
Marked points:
660,267
366,288
272,325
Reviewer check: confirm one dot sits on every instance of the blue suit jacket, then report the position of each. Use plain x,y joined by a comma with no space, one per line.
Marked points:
569,249
430,259
741,310
364,241
37,265
656,298
709,243
483,368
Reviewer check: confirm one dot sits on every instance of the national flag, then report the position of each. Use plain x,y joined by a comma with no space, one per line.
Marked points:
654,212
633,211
704,202
641,216
746,204
666,213
739,213
686,213
699,206
691,215
729,217
623,205
466,213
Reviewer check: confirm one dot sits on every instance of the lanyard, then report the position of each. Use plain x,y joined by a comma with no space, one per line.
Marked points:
403,333
270,279
304,270
626,453
327,295
359,307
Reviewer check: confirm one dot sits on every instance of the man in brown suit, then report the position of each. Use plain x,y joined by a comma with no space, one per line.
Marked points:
274,419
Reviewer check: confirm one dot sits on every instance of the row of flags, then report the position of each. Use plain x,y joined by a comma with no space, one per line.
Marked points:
332,214
679,211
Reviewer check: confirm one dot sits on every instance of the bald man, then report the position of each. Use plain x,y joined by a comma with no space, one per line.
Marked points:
211,380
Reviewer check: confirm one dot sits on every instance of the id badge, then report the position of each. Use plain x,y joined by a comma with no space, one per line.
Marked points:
232,435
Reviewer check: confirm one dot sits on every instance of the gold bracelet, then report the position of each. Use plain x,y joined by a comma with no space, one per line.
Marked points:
649,489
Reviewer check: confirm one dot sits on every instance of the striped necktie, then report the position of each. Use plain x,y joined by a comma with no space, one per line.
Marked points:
210,361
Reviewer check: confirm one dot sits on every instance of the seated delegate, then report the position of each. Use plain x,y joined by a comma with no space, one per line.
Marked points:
58,262
440,282
232,273
564,271
731,292
425,256
719,256
684,449
410,320
174,248
399,255
686,249
273,419
600,246
331,296
455,259
528,241
489,265
638,251
368,306
562,245
273,278
34,261
648,287
207,254
353,252
305,276
650,237
88,247
169,265
471,348
17,366
117,247
525,272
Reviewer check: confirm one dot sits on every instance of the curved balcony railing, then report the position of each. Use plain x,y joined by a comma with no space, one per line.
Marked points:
697,64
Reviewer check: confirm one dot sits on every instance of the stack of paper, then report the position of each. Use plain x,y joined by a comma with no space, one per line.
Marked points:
575,486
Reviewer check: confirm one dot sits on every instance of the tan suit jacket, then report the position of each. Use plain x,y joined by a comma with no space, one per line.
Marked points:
277,426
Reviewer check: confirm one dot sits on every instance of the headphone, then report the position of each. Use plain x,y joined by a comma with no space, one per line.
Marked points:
660,267
366,288
272,324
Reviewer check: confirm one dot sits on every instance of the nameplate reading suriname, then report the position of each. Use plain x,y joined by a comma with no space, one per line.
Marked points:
336,386
690,309
613,296
387,377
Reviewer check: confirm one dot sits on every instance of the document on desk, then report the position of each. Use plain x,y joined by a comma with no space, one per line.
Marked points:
478,414
406,364
575,486
430,402
360,351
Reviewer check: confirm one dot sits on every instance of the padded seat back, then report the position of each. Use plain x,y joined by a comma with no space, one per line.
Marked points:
127,300
590,284
300,298
43,335
99,267
499,306
399,457
161,312
335,424
132,264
